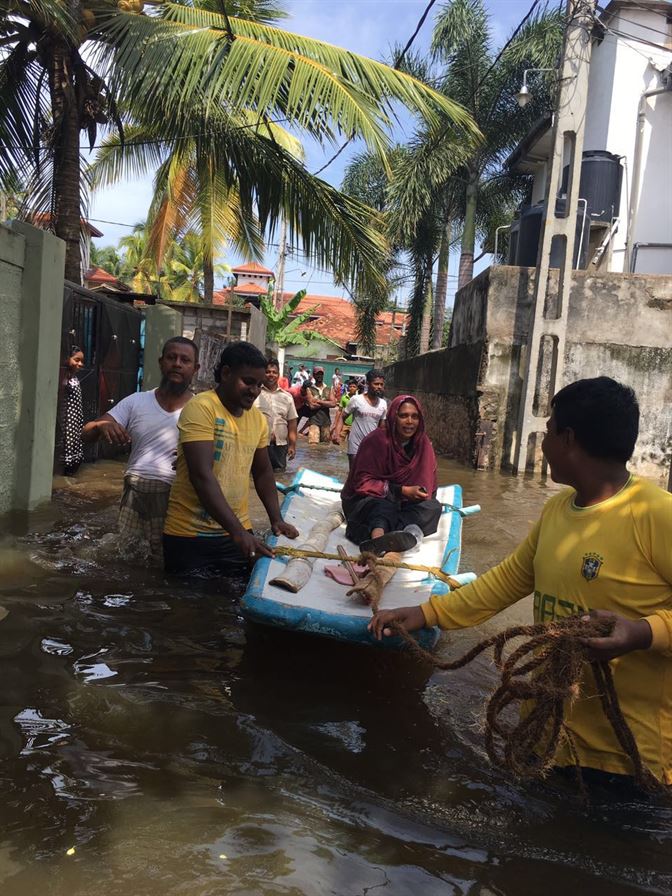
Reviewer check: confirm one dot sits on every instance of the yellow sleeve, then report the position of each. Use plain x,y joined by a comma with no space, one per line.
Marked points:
196,423
653,523
499,587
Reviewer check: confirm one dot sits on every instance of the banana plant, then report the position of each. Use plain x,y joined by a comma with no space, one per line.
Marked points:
282,324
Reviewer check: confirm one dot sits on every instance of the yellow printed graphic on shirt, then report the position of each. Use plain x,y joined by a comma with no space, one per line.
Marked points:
234,439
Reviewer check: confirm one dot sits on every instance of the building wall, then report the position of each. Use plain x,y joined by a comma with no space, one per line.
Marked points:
619,325
620,71
30,326
206,317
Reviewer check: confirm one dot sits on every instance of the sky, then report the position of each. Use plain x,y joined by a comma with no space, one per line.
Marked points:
369,27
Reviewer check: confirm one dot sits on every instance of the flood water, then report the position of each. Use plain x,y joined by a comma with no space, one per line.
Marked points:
151,744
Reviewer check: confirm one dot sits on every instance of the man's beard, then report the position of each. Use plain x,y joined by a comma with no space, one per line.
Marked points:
173,388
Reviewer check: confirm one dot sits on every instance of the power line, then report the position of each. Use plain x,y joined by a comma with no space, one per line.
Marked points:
397,64
421,22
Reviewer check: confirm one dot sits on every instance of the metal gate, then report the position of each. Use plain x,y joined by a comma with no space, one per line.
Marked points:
109,334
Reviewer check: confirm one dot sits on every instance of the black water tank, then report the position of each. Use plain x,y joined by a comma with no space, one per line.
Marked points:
601,178
600,185
531,217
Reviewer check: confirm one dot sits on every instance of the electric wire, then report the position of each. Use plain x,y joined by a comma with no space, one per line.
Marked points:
397,65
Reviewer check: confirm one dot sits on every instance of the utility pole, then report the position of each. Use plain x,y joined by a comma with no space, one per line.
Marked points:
280,279
548,323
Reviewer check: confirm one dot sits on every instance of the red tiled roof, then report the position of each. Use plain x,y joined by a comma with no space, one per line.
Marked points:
336,319
252,268
98,275
247,289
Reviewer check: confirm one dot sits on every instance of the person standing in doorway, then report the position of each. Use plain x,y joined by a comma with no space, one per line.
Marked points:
71,414
223,438
147,421
320,400
368,411
278,408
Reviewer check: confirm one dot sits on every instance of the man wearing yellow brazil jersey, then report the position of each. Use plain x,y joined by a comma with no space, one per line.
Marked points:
602,547
223,438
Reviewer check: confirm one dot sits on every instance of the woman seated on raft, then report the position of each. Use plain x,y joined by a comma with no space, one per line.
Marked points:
392,483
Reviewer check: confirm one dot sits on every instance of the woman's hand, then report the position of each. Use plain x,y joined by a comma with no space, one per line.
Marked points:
411,618
414,493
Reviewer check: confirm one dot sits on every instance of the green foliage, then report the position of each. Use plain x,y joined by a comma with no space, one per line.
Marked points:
206,69
283,329
107,258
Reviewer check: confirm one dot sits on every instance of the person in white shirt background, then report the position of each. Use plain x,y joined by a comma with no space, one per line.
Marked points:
368,412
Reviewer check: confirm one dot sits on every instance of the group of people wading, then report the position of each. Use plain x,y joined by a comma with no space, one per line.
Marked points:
601,548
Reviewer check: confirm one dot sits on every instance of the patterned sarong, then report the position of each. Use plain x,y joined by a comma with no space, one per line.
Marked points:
142,512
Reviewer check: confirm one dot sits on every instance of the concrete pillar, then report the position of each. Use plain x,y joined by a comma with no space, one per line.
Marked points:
548,329
161,324
38,341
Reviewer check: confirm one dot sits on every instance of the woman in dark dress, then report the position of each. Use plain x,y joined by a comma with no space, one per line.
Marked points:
71,415
392,483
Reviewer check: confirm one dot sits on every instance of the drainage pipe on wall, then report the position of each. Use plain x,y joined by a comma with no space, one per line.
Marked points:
637,170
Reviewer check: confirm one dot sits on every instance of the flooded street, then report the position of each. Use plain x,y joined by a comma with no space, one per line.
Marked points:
151,744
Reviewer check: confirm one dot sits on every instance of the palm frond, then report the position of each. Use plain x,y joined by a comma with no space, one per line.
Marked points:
320,88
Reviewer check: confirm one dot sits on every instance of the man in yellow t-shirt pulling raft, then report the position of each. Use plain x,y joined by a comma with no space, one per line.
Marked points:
602,547
223,438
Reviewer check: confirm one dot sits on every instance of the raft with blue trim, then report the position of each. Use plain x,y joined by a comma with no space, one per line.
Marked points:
321,607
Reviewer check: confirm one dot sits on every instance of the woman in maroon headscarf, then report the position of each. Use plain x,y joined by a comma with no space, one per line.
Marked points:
392,483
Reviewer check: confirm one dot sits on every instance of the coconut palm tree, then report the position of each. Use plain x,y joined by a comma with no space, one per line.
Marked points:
486,82
176,59
108,258
186,269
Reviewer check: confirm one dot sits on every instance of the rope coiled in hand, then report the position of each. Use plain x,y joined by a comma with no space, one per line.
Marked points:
545,669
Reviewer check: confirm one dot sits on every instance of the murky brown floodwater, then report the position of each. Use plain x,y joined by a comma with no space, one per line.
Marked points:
177,752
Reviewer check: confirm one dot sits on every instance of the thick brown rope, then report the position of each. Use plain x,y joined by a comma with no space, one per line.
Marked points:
545,669
371,559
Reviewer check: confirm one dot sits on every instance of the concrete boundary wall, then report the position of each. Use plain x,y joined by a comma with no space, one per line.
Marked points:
31,292
619,325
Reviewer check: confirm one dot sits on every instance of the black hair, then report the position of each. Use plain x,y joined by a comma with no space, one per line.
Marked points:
180,340
603,414
374,374
239,354
73,349
273,362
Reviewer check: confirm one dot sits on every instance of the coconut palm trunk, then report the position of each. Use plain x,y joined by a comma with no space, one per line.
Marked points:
208,279
66,177
469,233
427,309
441,287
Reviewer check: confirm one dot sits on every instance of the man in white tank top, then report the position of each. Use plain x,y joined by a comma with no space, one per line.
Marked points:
147,421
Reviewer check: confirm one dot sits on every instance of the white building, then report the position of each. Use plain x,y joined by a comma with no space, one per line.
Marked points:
629,115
